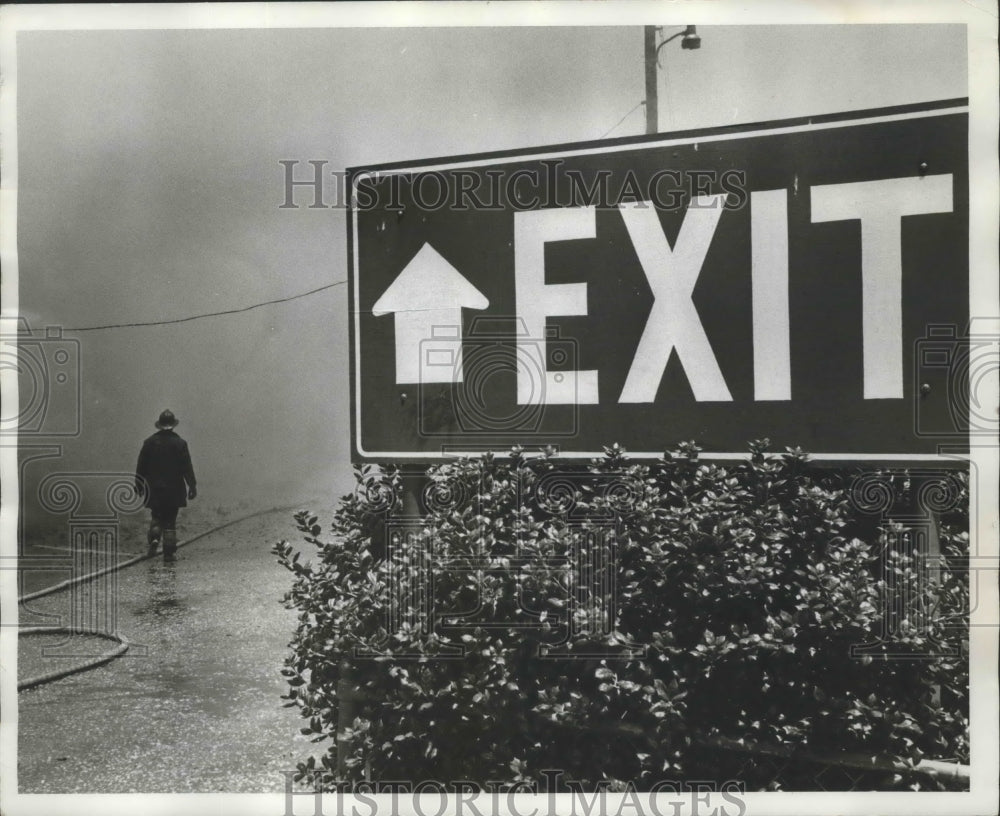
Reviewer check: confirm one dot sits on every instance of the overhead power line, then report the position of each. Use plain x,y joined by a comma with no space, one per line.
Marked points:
208,314
626,116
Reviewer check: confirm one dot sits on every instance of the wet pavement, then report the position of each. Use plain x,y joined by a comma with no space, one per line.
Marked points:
194,706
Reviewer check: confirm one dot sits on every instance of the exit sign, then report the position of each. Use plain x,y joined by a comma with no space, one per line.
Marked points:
775,280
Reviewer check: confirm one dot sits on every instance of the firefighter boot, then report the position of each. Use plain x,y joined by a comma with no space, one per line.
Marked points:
152,539
169,545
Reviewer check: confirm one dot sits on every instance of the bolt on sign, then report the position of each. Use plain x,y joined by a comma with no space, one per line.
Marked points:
785,280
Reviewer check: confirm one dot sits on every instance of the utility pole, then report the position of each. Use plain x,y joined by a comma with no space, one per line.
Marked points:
652,102
690,42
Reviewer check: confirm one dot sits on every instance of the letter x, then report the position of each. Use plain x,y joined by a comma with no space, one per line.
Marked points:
673,321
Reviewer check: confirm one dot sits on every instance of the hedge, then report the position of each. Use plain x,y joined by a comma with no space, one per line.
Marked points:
608,620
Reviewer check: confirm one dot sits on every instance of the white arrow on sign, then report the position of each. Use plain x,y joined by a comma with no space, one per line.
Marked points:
427,298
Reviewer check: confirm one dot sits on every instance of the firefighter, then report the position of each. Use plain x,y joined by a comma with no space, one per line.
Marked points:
165,477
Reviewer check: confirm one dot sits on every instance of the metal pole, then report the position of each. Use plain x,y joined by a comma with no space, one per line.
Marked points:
652,105
345,715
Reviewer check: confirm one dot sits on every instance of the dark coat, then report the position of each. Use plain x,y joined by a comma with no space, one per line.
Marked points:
163,468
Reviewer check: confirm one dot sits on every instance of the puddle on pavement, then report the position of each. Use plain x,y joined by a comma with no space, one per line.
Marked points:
158,592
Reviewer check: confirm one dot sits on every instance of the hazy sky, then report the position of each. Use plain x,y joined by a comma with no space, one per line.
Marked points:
150,185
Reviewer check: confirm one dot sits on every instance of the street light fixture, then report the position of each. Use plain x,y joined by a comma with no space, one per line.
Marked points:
690,41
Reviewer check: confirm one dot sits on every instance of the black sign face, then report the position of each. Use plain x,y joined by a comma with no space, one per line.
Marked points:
802,281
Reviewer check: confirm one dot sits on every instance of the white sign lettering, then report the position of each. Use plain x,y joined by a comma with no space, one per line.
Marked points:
537,300
428,296
673,322
772,368
880,205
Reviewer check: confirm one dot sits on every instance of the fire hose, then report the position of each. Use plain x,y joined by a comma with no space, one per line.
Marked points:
122,643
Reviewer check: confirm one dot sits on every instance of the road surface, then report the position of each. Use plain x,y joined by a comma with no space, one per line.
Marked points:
195,705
